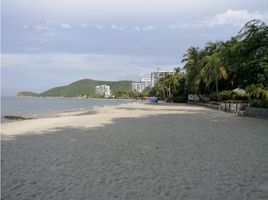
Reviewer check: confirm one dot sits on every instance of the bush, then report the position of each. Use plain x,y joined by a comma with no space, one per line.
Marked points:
180,99
214,102
226,95
237,101
259,103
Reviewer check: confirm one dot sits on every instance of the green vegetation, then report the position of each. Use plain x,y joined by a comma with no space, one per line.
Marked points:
258,95
81,88
139,95
86,87
27,94
171,88
220,67
121,94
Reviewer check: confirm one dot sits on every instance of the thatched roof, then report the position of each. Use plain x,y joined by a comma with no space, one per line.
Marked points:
239,92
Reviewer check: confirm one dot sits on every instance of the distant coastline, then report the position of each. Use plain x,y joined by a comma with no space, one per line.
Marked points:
81,88
22,108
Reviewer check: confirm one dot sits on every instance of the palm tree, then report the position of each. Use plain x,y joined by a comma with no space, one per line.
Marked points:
161,84
193,65
214,71
175,81
168,85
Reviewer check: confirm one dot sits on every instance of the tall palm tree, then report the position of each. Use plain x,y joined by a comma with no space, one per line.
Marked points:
214,71
193,66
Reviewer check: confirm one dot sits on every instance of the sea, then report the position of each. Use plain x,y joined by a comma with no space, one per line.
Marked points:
37,107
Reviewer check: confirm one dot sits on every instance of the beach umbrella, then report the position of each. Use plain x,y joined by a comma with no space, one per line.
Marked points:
239,92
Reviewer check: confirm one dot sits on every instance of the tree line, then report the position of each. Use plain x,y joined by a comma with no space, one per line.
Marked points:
219,67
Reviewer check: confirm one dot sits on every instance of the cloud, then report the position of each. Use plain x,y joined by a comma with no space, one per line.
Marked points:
55,21
41,28
66,26
149,28
98,26
117,28
84,25
136,28
25,26
144,28
236,18
97,65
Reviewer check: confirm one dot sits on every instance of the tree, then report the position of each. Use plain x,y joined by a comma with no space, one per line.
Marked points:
238,62
251,52
167,87
214,71
193,66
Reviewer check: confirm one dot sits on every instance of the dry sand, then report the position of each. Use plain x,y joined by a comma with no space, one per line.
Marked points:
93,118
136,151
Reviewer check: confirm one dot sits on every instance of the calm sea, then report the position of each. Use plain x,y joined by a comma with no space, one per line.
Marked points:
38,107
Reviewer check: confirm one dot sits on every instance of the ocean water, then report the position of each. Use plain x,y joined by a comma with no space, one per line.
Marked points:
40,107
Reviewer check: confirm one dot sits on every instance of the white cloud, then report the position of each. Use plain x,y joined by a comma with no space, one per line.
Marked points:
25,26
66,26
173,26
41,28
84,25
93,64
117,28
144,28
236,18
149,28
98,26
136,28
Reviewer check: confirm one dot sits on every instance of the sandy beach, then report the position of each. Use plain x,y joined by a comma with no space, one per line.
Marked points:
136,151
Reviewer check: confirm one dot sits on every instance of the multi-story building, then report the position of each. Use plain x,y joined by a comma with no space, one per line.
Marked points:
145,83
136,87
156,76
142,85
103,90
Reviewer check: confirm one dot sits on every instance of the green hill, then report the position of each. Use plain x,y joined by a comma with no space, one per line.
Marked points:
86,86
27,94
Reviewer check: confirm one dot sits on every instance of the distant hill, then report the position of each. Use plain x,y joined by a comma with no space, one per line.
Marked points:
86,86
27,94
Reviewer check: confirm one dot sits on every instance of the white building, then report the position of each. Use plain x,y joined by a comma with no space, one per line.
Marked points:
103,90
136,87
145,83
155,76
142,85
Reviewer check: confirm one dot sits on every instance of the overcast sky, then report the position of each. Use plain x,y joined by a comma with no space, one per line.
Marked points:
48,43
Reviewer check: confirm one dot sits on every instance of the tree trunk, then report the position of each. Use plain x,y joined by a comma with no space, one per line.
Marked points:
164,93
169,91
217,90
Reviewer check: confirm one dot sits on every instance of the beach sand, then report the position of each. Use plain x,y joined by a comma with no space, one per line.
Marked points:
136,151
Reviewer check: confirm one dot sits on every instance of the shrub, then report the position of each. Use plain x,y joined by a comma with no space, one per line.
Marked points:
226,95
259,103
180,99
214,102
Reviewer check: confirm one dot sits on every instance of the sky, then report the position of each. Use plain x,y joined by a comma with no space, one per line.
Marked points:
48,43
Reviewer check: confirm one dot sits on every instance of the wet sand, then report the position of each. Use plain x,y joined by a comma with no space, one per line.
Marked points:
136,151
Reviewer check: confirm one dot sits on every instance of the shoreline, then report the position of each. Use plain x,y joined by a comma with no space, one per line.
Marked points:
24,109
95,117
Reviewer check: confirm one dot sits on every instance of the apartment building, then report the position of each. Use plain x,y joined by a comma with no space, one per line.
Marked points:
103,90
